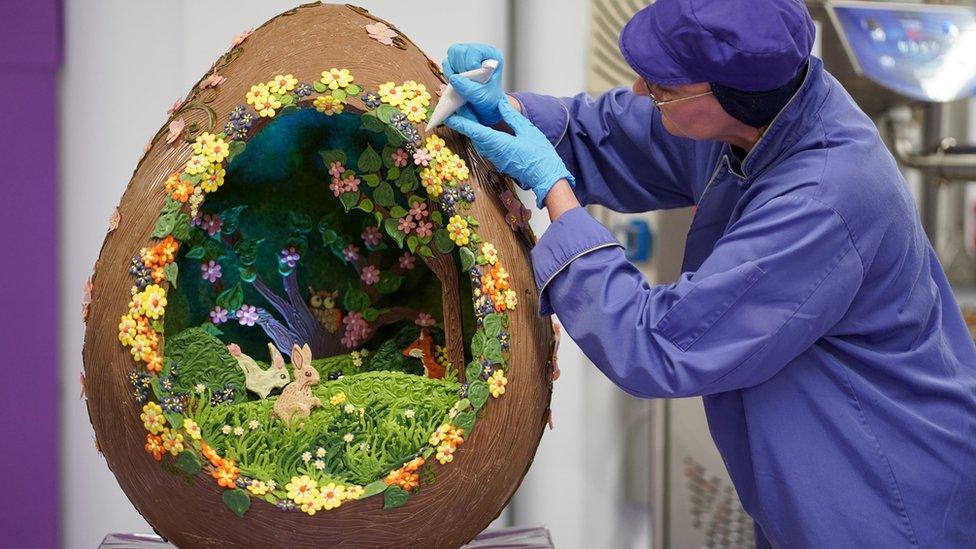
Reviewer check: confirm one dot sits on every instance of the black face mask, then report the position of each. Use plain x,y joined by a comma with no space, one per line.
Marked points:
758,109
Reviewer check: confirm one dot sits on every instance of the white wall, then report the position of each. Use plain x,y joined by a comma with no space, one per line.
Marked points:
126,62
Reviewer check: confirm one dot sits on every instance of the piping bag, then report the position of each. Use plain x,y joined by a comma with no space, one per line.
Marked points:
451,100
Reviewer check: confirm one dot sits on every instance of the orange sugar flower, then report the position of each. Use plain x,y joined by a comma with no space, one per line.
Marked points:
154,445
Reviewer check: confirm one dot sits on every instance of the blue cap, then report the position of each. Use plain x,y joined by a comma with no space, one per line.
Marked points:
748,45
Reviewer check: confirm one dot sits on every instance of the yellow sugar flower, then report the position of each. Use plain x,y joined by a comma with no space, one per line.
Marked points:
266,105
431,182
302,489
440,434
282,84
152,301
257,93
313,503
496,383
445,454
192,428
328,105
336,78
258,487
127,330
203,142
152,418
332,496
436,146
354,491
141,348
172,442
415,111
489,253
212,179
337,399
457,228
197,163
511,301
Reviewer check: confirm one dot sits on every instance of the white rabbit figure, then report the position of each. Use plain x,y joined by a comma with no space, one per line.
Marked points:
259,381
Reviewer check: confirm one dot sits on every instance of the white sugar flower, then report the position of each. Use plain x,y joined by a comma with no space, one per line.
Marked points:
307,456
319,464
348,437
226,429
239,431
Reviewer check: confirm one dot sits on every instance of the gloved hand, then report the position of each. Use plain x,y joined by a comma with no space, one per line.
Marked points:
527,156
483,98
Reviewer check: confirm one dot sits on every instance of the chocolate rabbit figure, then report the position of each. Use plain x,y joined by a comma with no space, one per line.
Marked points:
297,398
259,381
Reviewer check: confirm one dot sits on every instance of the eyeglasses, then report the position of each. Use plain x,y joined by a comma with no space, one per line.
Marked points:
658,103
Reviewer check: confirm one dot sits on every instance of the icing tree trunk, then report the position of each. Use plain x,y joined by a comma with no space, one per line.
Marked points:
443,266
300,325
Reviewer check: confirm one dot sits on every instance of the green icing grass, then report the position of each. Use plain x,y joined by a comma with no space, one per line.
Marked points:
274,451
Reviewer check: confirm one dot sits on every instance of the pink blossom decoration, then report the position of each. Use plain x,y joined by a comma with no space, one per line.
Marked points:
357,330
240,38
212,81
350,252
371,236
399,158
425,229
218,315
370,275
406,224
175,130
210,271
424,320
211,223
407,261
247,315
176,106
422,157
336,169
381,33
419,211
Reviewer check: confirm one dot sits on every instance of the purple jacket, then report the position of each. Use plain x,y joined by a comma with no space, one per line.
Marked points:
812,315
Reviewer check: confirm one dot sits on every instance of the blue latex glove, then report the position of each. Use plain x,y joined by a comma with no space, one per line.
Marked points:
483,98
527,156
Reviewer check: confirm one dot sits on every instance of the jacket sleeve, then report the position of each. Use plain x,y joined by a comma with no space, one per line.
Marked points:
782,276
617,149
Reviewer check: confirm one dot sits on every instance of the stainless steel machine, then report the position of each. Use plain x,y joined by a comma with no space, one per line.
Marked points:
911,67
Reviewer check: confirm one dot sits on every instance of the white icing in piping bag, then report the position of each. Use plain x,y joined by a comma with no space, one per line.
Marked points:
451,100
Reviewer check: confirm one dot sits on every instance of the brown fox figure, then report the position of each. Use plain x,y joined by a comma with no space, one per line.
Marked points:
423,348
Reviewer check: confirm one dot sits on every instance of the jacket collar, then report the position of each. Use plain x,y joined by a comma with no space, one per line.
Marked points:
789,125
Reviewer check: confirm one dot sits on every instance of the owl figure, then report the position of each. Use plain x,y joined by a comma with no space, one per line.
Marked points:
324,308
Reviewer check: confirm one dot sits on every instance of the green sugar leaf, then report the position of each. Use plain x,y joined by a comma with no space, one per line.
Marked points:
369,160
232,298
493,325
467,258
478,393
164,225
181,227
384,195
230,218
373,488
349,200
237,500
473,371
394,497
465,420
443,242
172,271
189,463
